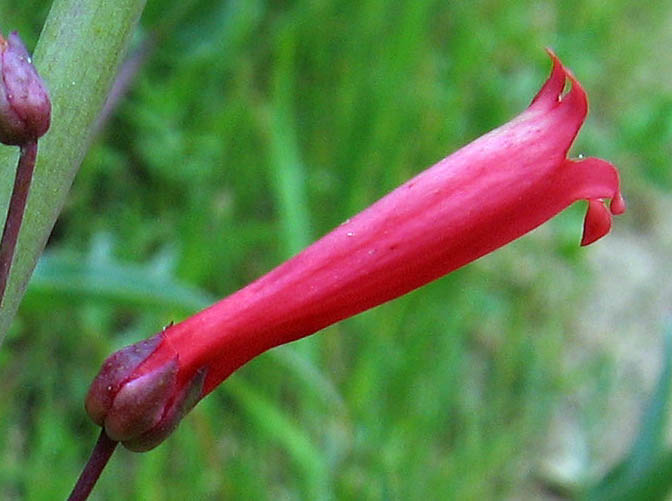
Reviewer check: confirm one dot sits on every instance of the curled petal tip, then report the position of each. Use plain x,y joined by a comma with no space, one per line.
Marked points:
617,205
597,222
594,179
555,83
551,93
550,52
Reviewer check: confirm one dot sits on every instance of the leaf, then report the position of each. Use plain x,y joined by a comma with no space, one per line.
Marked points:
78,54
59,274
646,470
280,428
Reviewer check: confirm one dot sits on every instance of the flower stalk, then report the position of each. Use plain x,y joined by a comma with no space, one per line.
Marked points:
25,116
490,192
101,454
17,206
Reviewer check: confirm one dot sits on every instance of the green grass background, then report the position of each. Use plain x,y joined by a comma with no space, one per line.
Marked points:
254,127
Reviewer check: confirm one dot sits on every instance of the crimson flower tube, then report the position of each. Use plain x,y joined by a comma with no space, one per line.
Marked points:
490,192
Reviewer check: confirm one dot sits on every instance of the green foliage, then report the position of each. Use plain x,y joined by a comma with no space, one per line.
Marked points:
645,473
78,54
253,127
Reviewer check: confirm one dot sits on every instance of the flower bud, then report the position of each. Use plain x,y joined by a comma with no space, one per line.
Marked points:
25,108
141,408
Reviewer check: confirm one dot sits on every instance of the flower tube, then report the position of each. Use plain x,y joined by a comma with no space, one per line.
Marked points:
490,192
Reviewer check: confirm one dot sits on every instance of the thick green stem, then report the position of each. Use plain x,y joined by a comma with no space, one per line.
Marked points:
81,46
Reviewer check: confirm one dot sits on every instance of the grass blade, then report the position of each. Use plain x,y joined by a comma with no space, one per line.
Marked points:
80,48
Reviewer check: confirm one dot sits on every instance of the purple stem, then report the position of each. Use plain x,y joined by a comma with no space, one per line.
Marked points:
99,457
17,205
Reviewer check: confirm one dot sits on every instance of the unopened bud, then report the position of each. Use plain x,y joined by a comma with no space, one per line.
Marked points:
141,410
25,108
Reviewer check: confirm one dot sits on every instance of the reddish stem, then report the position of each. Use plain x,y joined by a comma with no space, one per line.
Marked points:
17,205
94,467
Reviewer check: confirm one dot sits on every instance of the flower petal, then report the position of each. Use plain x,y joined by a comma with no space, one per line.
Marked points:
551,90
597,222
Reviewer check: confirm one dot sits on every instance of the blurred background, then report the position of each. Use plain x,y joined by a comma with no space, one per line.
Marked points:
245,129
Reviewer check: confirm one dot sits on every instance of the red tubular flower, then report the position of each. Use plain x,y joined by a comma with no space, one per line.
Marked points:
485,195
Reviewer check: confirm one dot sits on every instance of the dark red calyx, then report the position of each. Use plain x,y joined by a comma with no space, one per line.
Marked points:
116,371
141,408
184,401
25,107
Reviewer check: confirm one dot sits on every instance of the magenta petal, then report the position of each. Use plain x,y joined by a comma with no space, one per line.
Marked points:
553,87
617,206
597,222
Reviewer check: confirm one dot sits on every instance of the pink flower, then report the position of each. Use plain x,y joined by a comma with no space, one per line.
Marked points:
481,197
